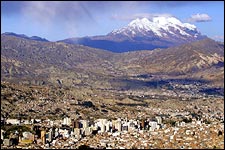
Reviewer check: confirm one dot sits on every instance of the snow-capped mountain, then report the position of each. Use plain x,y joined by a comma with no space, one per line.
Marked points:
143,34
161,27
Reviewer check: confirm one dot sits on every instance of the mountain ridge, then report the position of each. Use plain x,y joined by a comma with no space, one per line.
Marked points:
158,25
48,62
36,38
139,34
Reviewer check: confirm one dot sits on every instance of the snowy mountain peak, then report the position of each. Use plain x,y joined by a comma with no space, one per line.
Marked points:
143,21
140,24
144,34
158,26
166,20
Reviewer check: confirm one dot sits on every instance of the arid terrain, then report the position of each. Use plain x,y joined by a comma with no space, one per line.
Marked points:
36,74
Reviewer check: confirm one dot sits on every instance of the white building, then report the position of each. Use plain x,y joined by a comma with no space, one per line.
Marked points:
77,132
64,132
88,131
159,119
13,121
118,126
50,135
153,125
182,124
131,126
84,123
66,121
103,123
125,127
102,128
107,126
2,134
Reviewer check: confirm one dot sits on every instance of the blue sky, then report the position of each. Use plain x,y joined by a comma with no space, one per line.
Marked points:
59,20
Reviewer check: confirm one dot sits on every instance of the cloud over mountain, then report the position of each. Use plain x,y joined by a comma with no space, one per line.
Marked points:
199,18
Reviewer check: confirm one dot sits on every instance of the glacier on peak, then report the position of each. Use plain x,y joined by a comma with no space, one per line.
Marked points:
144,34
160,26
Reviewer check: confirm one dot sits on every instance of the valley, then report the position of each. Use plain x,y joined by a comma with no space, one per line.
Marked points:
118,80
112,75
60,83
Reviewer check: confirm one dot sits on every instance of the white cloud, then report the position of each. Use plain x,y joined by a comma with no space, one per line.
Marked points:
199,18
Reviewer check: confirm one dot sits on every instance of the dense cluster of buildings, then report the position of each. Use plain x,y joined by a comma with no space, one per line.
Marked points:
118,133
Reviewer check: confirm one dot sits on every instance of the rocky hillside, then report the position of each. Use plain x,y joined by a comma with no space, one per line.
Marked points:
75,80
59,63
187,58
